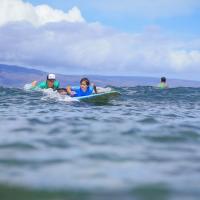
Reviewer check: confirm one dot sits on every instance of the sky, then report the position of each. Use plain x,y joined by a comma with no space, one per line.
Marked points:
107,37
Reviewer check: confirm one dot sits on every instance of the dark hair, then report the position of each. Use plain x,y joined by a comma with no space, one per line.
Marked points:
163,79
61,89
86,80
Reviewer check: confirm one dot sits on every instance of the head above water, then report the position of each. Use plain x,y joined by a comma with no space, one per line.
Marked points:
163,79
84,84
51,80
85,80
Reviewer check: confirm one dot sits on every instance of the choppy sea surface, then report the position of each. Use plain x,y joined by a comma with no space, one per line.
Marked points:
143,144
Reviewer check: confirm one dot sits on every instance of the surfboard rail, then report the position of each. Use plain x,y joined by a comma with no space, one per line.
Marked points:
104,96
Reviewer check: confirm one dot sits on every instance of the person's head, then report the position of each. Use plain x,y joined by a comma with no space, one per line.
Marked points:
50,80
163,80
62,91
84,83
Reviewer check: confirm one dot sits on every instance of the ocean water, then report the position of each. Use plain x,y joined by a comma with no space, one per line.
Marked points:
143,144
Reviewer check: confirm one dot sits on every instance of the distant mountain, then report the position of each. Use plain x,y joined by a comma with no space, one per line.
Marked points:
15,76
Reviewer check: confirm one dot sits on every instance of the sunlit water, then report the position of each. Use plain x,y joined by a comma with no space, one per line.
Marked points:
144,144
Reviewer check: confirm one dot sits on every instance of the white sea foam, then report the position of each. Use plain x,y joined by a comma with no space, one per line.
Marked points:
51,94
27,86
102,90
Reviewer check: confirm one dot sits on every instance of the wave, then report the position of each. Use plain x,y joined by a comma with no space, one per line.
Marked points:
138,93
142,138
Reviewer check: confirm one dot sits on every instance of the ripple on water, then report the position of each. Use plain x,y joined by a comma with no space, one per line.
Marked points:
144,144
148,120
24,129
18,146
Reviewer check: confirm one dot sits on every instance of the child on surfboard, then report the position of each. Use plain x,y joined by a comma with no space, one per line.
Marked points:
85,89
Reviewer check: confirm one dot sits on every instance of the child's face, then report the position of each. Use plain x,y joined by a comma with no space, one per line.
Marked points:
84,85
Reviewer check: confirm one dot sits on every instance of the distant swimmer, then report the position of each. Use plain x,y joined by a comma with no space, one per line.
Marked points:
163,83
51,82
85,89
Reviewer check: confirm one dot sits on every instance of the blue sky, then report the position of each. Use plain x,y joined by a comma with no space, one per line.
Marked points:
111,37
174,21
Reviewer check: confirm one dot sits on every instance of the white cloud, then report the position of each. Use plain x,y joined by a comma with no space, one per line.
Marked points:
185,60
90,48
17,10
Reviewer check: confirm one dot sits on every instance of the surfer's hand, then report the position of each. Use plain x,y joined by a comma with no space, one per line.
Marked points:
34,83
68,89
72,93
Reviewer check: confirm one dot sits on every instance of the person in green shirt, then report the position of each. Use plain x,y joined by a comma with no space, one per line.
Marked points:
51,82
163,83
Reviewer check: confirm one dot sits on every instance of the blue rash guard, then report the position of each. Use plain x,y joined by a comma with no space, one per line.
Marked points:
79,92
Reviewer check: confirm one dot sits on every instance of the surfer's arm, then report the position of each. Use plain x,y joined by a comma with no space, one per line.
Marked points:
70,91
39,85
94,88
34,85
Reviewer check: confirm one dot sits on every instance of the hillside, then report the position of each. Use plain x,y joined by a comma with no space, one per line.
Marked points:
16,76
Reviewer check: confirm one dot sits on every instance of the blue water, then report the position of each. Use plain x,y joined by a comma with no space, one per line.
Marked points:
144,144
